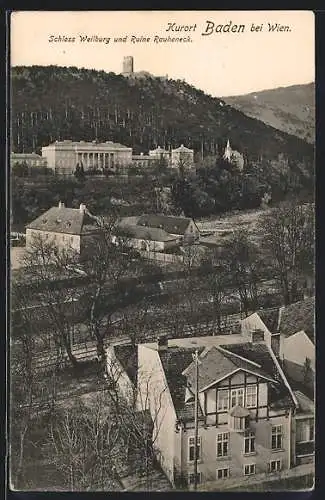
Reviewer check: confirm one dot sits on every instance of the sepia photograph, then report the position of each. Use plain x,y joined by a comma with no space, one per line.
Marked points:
162,251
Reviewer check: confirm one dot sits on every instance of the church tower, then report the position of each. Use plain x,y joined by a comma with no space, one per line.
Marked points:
228,152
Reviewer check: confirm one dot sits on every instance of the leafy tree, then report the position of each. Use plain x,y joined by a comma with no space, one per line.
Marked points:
79,172
20,169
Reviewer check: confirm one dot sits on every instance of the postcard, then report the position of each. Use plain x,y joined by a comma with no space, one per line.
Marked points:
162,247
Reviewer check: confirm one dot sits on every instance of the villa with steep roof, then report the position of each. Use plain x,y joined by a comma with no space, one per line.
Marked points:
250,419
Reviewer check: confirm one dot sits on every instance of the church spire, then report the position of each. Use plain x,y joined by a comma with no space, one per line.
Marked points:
227,153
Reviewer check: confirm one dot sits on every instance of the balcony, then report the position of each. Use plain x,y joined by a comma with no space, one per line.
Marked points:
239,418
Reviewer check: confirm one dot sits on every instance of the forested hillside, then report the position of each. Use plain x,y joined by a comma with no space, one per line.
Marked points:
290,109
54,103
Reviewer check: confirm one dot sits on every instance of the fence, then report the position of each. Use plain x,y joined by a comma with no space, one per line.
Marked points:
165,258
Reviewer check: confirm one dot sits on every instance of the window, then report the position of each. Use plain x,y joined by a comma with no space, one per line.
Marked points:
277,437
223,400
251,396
191,478
305,430
222,473
249,442
222,444
275,466
191,448
237,397
249,469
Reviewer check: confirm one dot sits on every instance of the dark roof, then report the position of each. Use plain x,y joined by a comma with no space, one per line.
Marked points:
279,394
174,360
306,405
169,223
128,357
298,379
258,353
216,364
299,316
144,233
64,220
270,318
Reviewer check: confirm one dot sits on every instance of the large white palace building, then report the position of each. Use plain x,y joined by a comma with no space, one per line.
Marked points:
64,156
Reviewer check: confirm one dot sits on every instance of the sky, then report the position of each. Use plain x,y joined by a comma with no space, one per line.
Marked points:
219,63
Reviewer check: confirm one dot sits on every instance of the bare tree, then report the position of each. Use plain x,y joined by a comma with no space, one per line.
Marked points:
140,416
288,238
31,393
84,441
42,303
242,263
216,286
109,261
136,321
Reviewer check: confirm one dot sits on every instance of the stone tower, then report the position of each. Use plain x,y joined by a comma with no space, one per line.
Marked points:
127,65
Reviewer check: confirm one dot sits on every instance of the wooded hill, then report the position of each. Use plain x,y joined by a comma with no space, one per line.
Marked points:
290,109
55,103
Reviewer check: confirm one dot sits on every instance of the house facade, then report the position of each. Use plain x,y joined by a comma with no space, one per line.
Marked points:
143,161
30,159
159,154
64,156
156,233
181,227
144,238
289,331
66,228
182,156
246,413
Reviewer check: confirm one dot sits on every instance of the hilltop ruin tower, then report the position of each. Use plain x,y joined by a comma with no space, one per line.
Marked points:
127,66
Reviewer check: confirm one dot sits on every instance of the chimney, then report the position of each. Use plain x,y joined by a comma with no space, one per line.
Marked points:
276,344
82,208
61,205
162,343
257,336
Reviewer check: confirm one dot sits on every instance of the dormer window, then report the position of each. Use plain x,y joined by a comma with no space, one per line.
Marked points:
239,418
